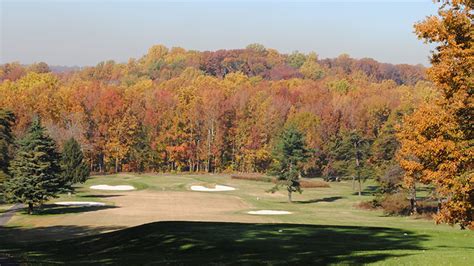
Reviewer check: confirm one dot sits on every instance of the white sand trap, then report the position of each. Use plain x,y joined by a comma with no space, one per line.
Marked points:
107,187
268,212
217,188
80,203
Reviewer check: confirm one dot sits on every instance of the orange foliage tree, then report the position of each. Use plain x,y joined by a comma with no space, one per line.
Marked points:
437,145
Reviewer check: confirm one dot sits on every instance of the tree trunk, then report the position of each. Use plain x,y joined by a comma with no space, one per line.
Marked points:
439,202
289,196
208,166
438,208
101,163
360,187
413,201
30,208
116,165
358,167
233,156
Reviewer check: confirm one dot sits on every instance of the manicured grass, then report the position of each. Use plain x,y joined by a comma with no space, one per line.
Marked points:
237,243
325,228
195,242
4,207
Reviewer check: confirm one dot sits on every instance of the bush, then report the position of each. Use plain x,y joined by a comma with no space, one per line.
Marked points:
396,204
391,182
369,205
313,184
399,204
253,177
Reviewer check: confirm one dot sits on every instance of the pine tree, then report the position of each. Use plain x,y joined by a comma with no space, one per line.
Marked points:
35,169
6,141
74,169
349,155
289,154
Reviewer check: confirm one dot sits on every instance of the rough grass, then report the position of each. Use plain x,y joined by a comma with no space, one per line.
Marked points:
325,228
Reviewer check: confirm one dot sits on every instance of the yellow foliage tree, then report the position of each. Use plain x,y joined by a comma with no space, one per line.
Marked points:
121,138
311,69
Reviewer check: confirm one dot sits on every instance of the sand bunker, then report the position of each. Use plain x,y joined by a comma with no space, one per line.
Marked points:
80,203
216,188
107,187
268,212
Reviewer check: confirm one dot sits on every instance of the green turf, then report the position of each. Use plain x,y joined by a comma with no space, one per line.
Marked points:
5,207
237,243
326,228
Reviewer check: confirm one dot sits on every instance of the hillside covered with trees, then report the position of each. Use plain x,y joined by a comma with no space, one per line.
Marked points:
183,110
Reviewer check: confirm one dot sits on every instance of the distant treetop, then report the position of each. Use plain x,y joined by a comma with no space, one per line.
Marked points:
161,63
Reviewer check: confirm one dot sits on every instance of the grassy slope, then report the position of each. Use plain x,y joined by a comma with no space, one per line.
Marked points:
324,228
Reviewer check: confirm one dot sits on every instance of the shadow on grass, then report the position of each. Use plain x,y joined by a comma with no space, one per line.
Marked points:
221,243
367,191
51,209
100,196
327,199
16,236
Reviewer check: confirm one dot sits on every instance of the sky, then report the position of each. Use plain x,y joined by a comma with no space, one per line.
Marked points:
81,33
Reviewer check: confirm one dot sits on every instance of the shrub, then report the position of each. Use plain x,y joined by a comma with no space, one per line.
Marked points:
369,205
313,184
391,181
396,204
253,177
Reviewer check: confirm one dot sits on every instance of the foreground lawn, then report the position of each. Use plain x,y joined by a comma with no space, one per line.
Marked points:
325,228
236,243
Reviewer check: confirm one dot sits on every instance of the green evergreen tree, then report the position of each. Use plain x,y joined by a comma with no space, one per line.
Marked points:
35,169
289,155
349,156
74,169
388,172
6,142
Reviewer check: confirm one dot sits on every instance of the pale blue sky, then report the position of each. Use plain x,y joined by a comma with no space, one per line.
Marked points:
86,32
